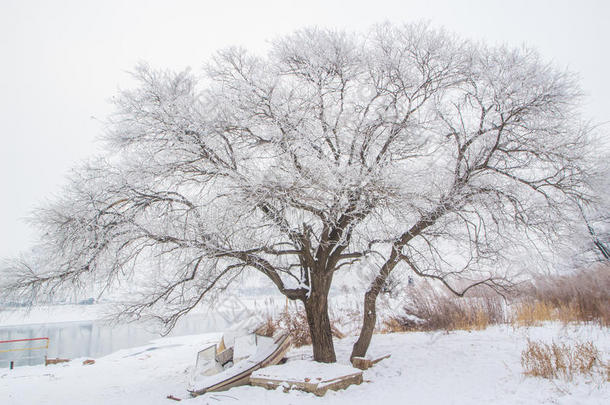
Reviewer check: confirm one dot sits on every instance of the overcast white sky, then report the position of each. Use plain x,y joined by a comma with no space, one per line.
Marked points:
62,60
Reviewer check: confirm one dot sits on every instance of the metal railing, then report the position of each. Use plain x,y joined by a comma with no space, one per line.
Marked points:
11,362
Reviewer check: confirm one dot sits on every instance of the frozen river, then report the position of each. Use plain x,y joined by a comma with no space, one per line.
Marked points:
91,339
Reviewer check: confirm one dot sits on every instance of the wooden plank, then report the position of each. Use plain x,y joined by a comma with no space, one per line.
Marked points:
318,388
54,361
363,363
225,356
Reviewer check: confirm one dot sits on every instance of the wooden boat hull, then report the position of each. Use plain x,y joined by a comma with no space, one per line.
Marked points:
240,373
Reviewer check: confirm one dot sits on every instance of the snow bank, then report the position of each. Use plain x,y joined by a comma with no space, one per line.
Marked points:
481,367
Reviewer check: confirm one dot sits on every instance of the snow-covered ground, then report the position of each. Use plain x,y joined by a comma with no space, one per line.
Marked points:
481,367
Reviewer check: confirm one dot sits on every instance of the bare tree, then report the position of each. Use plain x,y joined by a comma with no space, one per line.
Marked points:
595,244
404,146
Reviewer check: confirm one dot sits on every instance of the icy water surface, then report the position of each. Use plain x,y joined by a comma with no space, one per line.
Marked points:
91,339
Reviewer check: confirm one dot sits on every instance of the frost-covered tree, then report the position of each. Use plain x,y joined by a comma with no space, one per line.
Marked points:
403,148
595,245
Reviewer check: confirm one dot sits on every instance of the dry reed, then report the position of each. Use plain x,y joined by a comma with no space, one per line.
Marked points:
556,360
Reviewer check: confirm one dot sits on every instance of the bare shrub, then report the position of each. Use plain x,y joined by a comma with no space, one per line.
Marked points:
582,296
555,360
268,328
430,309
295,323
345,321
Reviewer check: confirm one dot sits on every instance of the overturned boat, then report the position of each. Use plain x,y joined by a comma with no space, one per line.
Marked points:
220,367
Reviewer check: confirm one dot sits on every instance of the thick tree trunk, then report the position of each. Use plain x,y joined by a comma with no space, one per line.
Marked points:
368,325
369,318
316,308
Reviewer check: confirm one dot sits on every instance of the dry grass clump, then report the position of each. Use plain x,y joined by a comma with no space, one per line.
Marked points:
555,360
268,328
294,322
399,323
532,313
583,296
430,309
